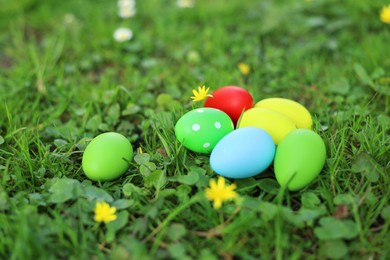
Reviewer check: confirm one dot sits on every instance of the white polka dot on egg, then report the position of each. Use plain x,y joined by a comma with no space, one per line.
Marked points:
206,145
195,127
200,110
217,125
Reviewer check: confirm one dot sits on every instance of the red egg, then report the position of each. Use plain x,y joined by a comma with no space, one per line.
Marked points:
232,100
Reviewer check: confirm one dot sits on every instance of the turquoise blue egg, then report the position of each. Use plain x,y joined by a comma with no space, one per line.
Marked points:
243,153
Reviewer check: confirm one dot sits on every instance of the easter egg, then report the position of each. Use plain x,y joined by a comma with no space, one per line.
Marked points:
243,153
201,129
274,123
232,100
107,157
293,110
299,159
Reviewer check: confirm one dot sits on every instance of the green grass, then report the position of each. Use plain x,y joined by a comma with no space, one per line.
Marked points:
61,84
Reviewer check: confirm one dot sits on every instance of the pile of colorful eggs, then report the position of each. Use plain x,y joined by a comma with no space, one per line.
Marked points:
244,139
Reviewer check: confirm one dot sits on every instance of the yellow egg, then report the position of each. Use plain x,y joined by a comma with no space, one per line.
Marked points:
274,123
293,110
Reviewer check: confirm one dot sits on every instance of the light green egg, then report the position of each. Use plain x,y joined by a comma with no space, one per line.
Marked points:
107,157
299,159
201,129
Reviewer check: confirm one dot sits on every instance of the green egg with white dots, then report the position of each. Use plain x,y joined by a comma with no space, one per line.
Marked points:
201,129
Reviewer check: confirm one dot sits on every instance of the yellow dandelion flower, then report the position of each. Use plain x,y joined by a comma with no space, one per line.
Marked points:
200,94
219,192
385,14
104,213
244,68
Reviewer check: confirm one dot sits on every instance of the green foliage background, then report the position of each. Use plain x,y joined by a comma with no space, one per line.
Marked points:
64,80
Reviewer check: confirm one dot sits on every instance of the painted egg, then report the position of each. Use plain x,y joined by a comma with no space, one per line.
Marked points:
274,123
107,157
232,100
299,159
243,153
293,110
201,129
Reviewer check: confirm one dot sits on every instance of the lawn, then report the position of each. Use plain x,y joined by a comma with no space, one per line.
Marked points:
64,79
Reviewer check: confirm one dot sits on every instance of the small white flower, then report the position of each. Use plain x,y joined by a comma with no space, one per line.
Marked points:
123,34
69,18
126,12
126,8
185,3
126,3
